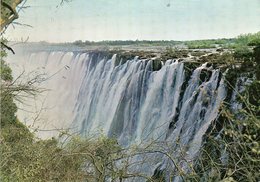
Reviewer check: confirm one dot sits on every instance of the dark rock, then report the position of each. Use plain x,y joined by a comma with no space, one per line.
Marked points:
157,65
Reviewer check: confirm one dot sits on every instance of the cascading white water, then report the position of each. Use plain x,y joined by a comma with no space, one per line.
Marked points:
60,74
92,94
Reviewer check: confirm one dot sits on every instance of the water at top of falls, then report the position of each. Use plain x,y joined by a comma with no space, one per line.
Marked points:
92,93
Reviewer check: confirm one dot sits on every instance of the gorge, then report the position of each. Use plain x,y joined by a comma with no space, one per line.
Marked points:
95,93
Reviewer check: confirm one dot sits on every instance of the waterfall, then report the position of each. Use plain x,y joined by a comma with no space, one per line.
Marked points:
93,93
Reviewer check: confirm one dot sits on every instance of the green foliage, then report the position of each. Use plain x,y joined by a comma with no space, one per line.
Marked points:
8,108
235,152
257,54
127,42
245,55
5,70
243,52
231,151
249,39
241,40
201,44
253,96
257,61
232,146
27,159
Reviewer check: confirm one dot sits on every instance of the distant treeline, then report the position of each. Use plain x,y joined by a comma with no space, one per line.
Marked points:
242,40
128,42
245,39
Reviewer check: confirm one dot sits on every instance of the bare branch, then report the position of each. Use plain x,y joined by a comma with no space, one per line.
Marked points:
7,47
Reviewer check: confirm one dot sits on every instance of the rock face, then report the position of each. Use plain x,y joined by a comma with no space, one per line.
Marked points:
156,64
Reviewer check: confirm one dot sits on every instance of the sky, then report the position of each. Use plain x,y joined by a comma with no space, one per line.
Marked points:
97,20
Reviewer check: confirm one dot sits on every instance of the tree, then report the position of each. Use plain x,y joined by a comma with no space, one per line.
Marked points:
8,12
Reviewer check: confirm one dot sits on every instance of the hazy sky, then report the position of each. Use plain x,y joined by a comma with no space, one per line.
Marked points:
136,19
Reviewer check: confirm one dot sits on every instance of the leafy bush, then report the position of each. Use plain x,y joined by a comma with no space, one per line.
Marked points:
249,39
201,44
243,52
8,108
27,159
232,146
